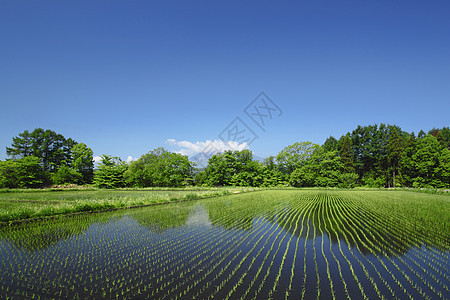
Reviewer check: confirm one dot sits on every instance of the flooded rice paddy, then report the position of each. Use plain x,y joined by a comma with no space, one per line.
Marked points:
269,244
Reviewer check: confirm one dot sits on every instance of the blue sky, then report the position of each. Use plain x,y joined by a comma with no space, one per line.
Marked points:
126,77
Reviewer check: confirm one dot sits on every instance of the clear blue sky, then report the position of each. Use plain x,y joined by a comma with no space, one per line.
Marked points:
124,77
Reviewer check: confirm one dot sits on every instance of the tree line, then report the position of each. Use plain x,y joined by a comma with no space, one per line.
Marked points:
375,156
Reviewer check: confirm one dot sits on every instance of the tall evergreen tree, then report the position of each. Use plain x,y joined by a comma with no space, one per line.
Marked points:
50,147
21,146
331,144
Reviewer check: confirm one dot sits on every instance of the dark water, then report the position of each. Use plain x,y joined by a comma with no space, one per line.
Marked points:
249,246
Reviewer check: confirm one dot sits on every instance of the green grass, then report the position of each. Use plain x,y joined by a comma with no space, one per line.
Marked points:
25,204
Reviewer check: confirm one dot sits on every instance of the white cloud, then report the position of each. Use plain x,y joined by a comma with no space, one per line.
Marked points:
130,159
97,159
209,146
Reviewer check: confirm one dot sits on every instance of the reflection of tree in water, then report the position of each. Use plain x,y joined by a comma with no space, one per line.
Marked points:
239,211
361,226
365,223
160,218
42,234
390,228
39,235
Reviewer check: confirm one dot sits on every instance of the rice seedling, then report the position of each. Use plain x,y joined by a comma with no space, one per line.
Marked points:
278,243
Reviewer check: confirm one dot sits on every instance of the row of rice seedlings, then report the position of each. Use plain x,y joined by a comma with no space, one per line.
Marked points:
327,217
232,239
352,224
133,255
322,214
149,263
293,220
237,267
181,271
246,272
23,261
282,213
270,261
299,220
392,245
358,242
181,267
307,220
275,221
437,265
366,272
302,221
133,260
343,228
314,250
200,240
418,266
260,230
383,242
200,262
413,270
258,271
421,212
373,246
410,238
308,217
223,270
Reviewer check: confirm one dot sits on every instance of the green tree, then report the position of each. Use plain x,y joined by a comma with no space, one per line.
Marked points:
21,146
83,162
421,135
65,175
160,168
295,156
407,169
233,168
442,135
25,172
396,147
331,144
329,168
270,162
426,161
303,176
324,169
345,152
50,147
443,171
371,149
110,172
272,177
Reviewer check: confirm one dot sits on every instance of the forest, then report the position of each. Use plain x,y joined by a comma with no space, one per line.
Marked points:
371,156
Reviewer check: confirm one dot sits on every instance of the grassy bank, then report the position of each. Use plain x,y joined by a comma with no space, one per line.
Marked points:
26,204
